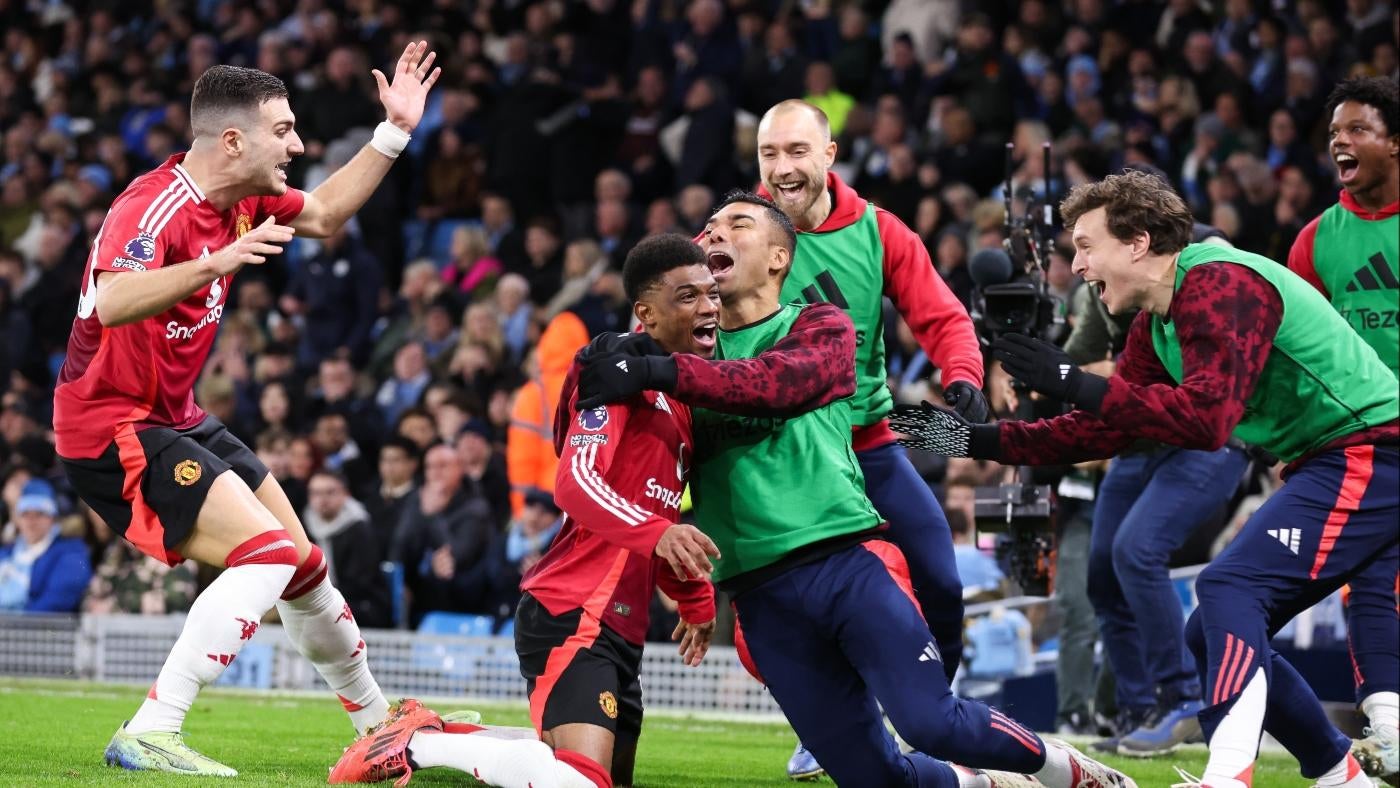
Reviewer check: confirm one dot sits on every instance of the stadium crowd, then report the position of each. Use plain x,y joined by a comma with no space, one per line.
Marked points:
399,378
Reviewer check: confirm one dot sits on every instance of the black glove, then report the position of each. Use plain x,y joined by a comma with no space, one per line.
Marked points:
930,428
613,377
1045,368
967,401
635,343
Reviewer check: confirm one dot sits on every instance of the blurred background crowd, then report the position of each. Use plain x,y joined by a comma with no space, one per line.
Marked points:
399,378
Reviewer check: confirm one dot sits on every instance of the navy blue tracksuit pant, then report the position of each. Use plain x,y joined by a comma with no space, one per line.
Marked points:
837,639
1336,520
920,529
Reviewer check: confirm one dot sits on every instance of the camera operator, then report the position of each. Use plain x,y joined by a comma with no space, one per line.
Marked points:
1150,501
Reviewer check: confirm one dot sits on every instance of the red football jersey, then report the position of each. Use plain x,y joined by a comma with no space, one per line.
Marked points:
622,469
143,373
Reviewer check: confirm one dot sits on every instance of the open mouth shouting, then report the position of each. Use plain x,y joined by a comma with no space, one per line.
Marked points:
1347,165
789,191
703,336
721,263
281,170
1099,287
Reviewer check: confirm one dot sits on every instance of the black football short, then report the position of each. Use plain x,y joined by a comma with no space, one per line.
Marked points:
149,485
577,670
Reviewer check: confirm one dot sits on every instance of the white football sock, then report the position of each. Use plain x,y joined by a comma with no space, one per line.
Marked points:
1382,709
1346,774
322,627
220,621
1235,743
1057,770
504,763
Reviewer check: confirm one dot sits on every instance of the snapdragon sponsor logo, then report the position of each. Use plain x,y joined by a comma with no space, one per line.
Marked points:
659,492
173,329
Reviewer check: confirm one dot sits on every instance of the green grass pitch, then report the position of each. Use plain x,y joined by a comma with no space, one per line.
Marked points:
53,733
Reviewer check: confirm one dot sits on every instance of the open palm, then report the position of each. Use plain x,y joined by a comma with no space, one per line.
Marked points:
403,99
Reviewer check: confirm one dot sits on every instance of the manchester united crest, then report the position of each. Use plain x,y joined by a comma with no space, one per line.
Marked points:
609,704
187,472
244,224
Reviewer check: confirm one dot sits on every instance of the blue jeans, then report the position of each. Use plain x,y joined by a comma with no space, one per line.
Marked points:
1148,505
920,529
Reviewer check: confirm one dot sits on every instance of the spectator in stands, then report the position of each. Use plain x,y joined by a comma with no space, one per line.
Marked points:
405,318
514,309
386,495
484,467
336,392
42,572
338,450
341,526
981,577
129,581
402,391
823,94
442,540
472,272
335,295
543,261
417,425
530,459
503,238
526,538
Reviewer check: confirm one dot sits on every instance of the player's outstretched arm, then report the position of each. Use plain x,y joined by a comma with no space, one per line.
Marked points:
130,296
332,203
810,367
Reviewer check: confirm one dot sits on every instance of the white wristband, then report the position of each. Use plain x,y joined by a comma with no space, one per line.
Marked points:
389,139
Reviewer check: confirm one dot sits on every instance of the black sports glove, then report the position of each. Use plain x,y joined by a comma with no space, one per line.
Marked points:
967,401
930,428
1045,368
613,377
635,343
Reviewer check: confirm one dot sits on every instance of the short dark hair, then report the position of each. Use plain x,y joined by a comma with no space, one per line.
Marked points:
1135,202
775,214
224,89
402,444
1378,92
653,257
330,473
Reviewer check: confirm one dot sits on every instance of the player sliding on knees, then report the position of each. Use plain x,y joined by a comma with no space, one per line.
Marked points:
159,470
582,620
828,613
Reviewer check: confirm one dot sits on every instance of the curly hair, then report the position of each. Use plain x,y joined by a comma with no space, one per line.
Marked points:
1378,92
1135,202
653,257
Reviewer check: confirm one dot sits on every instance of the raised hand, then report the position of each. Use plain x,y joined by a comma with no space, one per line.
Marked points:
1047,369
252,247
404,98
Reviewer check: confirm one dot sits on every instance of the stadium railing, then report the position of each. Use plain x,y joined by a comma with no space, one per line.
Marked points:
131,649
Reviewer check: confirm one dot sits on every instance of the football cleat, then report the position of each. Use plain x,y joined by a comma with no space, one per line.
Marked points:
382,752
1379,753
161,752
1085,772
1163,731
994,779
803,765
